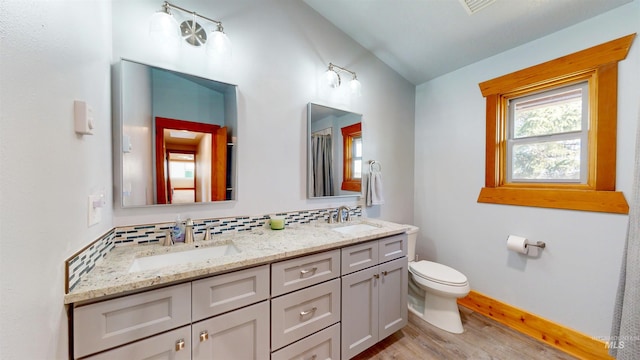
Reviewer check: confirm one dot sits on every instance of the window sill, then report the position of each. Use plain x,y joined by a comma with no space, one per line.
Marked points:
569,199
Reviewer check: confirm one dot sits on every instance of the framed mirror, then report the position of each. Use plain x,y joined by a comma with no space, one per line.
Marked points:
334,151
174,137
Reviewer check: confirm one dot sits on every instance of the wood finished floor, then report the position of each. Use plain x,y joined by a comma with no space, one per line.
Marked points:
482,339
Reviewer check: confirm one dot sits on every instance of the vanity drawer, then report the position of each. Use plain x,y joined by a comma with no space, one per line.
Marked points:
301,313
162,346
322,345
392,247
295,274
359,256
115,322
226,292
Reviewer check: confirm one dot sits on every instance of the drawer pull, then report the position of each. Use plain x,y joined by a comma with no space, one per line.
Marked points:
179,344
304,313
384,273
305,271
204,336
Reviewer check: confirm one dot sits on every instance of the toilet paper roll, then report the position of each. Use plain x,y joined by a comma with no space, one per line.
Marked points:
517,244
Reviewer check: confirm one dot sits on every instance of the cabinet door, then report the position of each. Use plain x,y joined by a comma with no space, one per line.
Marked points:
359,311
172,345
240,334
393,296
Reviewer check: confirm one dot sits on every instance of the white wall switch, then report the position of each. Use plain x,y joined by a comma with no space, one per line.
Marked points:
96,203
83,118
126,144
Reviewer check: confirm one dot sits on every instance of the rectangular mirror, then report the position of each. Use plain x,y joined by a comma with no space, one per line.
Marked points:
334,151
174,137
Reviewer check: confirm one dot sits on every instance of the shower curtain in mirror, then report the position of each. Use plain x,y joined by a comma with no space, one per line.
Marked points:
321,165
624,342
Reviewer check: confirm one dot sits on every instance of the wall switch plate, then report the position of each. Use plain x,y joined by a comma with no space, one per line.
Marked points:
96,202
83,118
126,144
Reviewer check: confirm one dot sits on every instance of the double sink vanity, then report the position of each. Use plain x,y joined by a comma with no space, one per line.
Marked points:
310,291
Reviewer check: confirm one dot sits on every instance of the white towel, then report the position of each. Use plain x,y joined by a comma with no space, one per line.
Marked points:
375,194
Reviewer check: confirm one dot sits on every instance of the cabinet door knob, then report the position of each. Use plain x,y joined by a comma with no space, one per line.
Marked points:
303,313
204,335
384,273
179,344
377,276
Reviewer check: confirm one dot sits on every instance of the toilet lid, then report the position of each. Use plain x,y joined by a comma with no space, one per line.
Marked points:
438,272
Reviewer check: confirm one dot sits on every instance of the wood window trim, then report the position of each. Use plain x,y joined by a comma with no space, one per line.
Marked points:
599,65
349,183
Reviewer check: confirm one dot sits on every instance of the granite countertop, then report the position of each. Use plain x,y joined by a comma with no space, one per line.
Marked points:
111,277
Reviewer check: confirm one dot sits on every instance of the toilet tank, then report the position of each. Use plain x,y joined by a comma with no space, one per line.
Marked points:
412,236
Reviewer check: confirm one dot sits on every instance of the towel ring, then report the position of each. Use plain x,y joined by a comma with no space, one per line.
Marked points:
374,165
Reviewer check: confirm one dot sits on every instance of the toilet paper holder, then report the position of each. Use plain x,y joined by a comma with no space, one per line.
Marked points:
538,244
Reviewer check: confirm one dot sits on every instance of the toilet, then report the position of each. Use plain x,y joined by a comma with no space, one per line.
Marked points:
434,288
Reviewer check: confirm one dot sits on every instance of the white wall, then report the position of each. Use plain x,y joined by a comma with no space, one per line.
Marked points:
52,53
56,51
574,281
281,50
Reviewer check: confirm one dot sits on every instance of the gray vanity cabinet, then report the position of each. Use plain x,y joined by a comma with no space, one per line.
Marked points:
327,305
240,334
374,292
234,331
210,318
305,304
119,321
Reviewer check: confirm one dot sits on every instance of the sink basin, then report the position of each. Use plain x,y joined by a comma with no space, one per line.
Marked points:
355,228
183,257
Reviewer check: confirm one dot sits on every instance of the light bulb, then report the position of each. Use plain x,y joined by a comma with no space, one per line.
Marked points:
356,87
164,29
333,79
218,45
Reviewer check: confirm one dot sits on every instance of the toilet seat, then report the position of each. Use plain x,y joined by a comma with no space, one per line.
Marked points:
438,273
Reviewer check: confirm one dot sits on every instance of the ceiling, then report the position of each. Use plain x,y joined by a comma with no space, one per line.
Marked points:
423,39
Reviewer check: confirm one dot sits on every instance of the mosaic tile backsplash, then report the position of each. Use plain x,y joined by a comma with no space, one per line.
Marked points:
85,261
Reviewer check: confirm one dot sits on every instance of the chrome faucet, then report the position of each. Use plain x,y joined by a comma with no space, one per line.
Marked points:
168,238
340,215
188,232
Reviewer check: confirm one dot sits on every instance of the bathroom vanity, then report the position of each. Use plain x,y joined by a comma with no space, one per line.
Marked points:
312,291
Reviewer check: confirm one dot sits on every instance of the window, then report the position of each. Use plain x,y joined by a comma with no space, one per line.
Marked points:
547,139
551,133
352,157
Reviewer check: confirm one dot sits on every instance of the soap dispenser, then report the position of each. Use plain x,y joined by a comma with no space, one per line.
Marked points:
178,230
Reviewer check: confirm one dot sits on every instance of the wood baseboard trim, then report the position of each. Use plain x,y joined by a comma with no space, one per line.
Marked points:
567,340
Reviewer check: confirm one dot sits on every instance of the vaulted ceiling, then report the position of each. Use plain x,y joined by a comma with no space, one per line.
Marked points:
423,39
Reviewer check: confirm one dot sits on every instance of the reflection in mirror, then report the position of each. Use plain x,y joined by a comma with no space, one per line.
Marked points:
334,152
174,137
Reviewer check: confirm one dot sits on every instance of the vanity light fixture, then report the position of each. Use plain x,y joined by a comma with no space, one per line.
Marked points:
164,29
334,81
